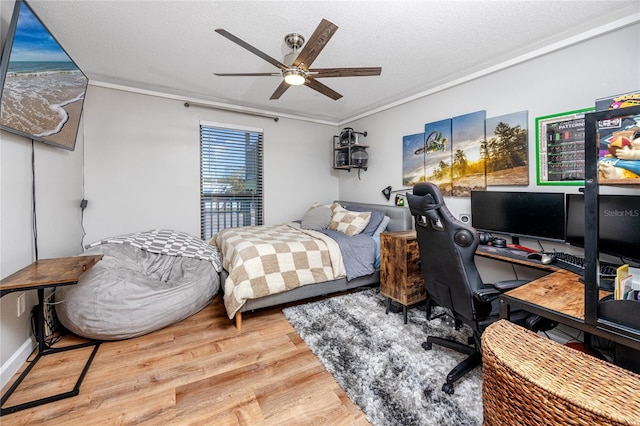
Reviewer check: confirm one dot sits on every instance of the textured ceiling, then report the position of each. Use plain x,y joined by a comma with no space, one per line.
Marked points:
171,47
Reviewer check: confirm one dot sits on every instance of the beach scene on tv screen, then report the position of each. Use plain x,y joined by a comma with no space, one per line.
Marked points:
44,89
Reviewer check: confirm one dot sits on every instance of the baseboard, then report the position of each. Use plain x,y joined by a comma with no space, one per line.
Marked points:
14,363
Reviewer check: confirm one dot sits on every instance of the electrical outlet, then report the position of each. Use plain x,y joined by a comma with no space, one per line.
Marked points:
22,304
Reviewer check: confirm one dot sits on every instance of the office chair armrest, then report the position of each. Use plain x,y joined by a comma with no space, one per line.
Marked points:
507,285
487,294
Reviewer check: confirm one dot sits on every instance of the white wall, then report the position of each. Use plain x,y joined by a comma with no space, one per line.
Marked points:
142,163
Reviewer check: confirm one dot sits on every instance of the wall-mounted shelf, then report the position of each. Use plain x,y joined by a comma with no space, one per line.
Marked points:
348,152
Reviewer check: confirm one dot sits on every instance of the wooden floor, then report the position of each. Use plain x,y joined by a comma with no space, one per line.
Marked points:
199,371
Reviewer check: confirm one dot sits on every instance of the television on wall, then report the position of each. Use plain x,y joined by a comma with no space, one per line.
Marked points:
43,89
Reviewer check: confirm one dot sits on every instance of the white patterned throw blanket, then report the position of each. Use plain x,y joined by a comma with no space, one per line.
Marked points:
170,243
264,260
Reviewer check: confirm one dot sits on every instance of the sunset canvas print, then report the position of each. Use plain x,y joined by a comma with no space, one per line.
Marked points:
468,137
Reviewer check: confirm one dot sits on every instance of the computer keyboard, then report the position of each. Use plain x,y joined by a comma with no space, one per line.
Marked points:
575,264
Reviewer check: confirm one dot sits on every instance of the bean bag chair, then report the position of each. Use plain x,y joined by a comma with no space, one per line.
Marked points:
144,282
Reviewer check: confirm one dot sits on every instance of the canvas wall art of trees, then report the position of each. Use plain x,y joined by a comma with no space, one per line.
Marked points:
506,150
468,152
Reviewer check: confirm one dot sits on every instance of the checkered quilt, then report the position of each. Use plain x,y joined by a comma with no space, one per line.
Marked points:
264,260
168,242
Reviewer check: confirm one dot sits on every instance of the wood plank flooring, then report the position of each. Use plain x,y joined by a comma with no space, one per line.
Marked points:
199,371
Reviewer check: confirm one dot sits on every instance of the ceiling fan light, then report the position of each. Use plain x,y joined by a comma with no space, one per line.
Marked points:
294,77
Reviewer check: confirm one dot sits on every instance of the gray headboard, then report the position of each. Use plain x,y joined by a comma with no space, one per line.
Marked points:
401,219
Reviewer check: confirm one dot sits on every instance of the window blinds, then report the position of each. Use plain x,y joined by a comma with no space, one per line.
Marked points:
231,192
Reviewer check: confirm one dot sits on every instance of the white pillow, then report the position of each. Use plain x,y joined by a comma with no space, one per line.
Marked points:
348,222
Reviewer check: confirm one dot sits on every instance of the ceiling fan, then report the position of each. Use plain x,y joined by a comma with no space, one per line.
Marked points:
297,71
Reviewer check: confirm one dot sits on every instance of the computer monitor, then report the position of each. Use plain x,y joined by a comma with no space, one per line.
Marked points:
619,224
537,215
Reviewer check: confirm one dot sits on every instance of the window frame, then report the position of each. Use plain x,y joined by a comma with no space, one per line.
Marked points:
228,208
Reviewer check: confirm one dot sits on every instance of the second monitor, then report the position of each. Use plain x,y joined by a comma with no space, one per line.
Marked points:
619,225
536,215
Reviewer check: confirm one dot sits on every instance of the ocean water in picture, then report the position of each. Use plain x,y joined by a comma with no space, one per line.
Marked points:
36,93
44,89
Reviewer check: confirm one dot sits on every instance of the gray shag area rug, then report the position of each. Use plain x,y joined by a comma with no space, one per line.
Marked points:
379,362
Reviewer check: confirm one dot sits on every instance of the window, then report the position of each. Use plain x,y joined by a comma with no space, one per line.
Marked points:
230,177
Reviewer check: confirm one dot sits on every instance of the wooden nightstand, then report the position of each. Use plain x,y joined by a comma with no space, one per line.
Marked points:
400,276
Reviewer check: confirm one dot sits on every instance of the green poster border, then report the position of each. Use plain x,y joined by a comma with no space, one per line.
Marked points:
563,116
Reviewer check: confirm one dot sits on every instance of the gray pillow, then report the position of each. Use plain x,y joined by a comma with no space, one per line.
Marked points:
383,226
316,218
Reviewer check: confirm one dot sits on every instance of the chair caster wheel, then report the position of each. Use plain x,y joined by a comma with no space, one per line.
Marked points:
447,388
427,346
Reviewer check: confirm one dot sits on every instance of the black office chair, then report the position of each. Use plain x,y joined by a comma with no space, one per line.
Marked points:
447,247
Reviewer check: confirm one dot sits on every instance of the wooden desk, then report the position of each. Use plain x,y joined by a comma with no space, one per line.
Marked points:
560,293
559,296
38,276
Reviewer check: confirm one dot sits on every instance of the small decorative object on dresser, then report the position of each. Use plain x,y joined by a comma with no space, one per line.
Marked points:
400,275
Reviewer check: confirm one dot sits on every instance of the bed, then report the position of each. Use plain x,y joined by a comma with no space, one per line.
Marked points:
317,269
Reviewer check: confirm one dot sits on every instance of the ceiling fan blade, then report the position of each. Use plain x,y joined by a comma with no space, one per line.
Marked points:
319,87
316,43
280,90
251,49
249,74
345,72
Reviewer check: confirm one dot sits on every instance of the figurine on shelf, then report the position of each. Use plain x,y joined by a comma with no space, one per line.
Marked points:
629,149
619,152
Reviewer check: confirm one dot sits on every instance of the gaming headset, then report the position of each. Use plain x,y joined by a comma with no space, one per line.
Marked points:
486,238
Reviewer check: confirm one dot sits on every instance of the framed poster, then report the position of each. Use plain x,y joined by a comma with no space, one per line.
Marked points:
618,144
560,148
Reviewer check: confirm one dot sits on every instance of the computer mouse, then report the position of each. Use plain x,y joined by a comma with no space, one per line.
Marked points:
544,258
547,258
535,255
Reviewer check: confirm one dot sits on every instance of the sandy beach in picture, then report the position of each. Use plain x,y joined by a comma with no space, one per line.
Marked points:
67,135
46,104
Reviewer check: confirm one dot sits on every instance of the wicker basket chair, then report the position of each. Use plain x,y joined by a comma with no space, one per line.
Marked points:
531,380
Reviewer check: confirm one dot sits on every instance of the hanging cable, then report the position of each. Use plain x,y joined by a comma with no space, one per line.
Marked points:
83,202
515,272
33,198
